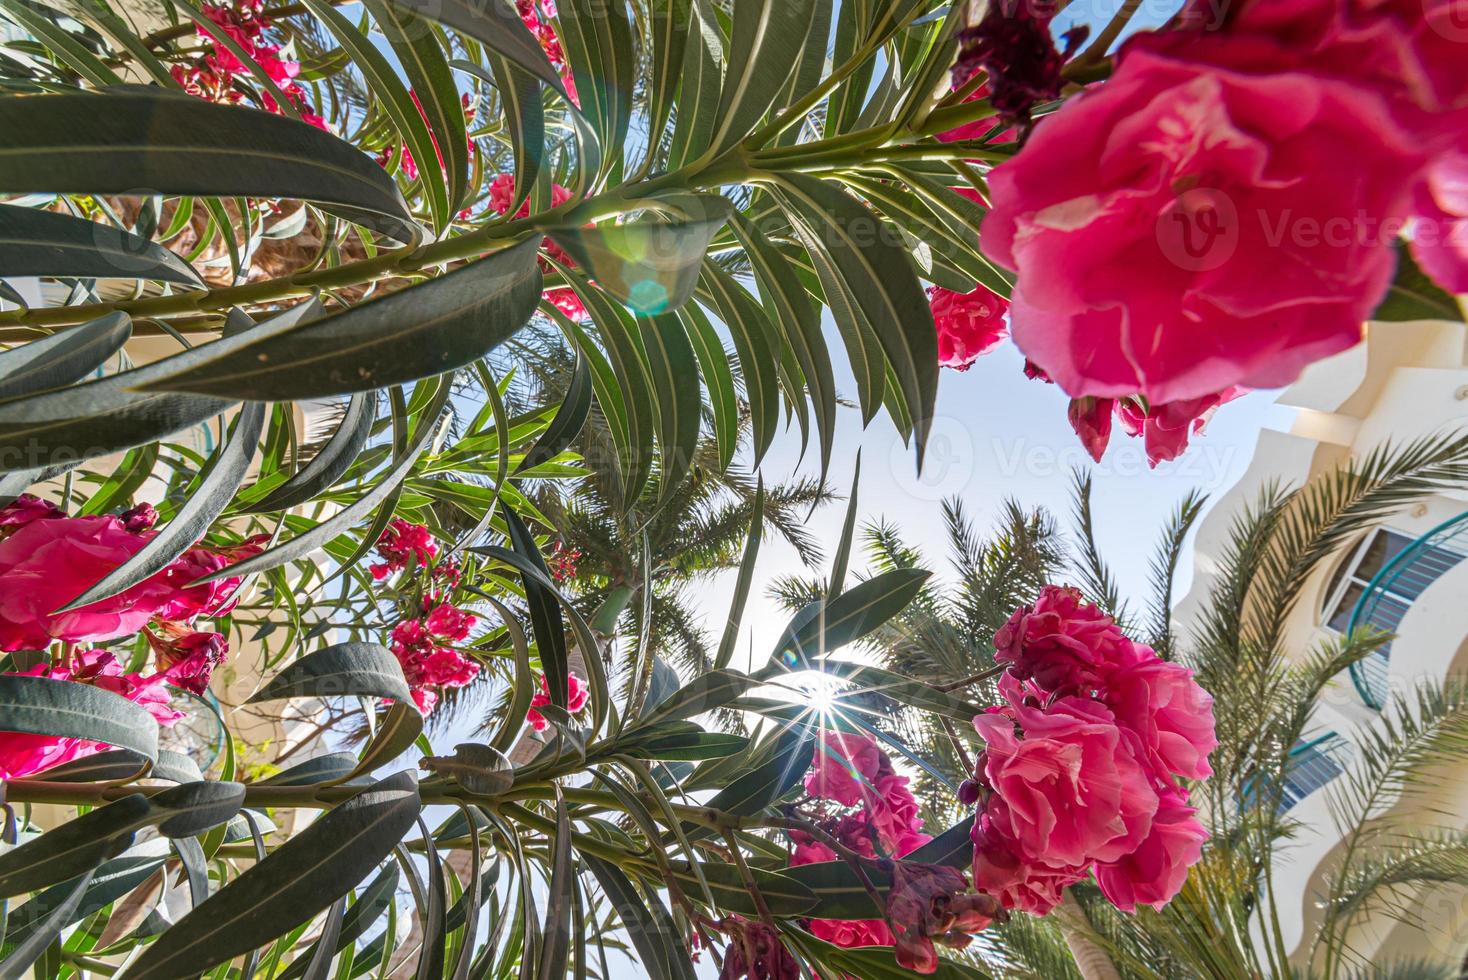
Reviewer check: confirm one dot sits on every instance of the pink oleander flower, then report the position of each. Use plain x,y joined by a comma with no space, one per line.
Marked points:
1074,785
1168,710
845,768
212,599
1440,233
1211,240
48,563
577,696
1003,870
426,665
403,545
501,196
1060,641
969,324
187,658
930,904
1164,429
23,755
450,622
756,952
1154,872
25,509
139,519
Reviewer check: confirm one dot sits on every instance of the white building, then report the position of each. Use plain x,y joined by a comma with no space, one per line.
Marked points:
1408,577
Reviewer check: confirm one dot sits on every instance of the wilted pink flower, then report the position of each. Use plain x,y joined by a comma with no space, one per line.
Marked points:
1165,428
930,903
1012,43
756,952
1091,419
403,545
139,519
22,755
1175,263
577,696
188,658
1166,707
1060,641
1154,872
969,324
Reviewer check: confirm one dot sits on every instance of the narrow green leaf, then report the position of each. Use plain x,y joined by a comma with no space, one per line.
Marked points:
745,579
753,340
194,518
698,90
771,780
646,921
557,930
44,934
291,885
713,363
322,769
427,329
169,143
668,22
597,38
495,24
74,848
823,627
848,532
341,670
764,51
42,243
61,709
570,416
879,275
328,465
70,51
673,366
1414,296
520,101
62,357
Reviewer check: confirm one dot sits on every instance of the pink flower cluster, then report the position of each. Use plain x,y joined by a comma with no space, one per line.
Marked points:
408,165
562,562
501,196
48,559
854,772
534,13
1242,192
1082,761
211,76
22,754
424,648
403,545
577,694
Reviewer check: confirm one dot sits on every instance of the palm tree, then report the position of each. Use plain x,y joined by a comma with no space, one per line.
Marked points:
1224,925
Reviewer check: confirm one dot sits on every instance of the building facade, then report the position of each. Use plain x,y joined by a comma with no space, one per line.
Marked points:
1407,577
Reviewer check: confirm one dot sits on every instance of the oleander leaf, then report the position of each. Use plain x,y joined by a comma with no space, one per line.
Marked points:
341,670
62,357
328,465
43,243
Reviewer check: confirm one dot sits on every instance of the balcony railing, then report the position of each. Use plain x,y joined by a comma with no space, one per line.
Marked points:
1391,592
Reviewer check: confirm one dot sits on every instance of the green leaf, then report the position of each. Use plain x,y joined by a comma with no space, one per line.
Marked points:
799,323
668,22
190,809
520,102
372,901
1414,296
62,357
114,765
771,780
194,518
877,272
42,243
545,611
782,894
557,931
764,51
427,329
745,579
431,80
110,882
650,264
647,922
103,416
328,465
60,42
713,363
341,670
570,416
350,515
322,769
523,686
61,709
291,885
75,847
848,531
691,746
698,90
480,769
597,39
45,933
169,143
825,626
865,679
495,24
753,340
674,368
706,692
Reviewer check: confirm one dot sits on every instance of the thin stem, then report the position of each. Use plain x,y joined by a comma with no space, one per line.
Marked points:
973,679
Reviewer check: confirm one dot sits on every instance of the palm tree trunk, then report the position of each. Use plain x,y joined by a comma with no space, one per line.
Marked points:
1085,944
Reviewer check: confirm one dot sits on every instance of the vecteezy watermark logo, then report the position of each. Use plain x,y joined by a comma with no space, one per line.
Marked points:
948,464
1448,18
1199,230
